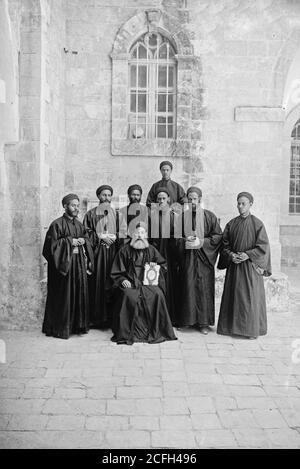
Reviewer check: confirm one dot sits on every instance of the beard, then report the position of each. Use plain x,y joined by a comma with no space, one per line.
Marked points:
139,243
72,213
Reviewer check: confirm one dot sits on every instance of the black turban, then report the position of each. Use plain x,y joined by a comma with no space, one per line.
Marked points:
162,189
103,188
165,163
195,189
246,194
67,199
134,187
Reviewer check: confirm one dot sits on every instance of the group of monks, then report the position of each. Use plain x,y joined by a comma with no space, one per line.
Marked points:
143,269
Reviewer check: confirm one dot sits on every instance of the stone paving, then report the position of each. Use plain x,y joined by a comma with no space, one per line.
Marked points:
198,392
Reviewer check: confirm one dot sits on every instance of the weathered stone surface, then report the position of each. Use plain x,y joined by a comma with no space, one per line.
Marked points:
259,114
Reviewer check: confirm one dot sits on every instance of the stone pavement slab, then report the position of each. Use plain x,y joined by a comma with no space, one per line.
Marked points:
198,392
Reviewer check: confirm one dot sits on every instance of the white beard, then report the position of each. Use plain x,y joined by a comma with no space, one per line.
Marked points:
139,243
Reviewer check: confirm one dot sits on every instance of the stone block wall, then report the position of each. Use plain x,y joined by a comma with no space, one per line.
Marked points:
60,65
53,141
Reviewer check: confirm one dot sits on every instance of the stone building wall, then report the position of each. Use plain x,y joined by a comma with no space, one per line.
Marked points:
60,70
239,46
34,154
8,133
53,141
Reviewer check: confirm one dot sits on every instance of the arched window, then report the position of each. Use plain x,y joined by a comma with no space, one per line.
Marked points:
294,200
152,88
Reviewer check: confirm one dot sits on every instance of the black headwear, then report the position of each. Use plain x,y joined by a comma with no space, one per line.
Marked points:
195,189
246,194
162,189
67,199
165,163
103,188
134,187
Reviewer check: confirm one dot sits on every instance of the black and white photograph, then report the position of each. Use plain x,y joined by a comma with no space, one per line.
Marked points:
150,227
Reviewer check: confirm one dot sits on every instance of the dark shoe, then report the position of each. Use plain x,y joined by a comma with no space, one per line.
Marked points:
204,330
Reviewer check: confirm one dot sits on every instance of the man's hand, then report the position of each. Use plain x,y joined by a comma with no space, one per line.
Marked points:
126,284
239,257
235,259
81,241
243,256
108,241
75,242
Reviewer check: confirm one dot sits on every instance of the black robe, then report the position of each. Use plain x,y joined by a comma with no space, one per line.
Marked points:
166,244
140,312
67,305
100,287
243,305
176,192
196,305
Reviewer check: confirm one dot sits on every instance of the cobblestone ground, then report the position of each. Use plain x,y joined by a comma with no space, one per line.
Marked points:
198,392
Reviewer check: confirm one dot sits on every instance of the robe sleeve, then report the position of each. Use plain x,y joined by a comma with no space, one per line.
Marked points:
151,196
88,248
212,242
181,197
58,249
260,254
226,252
161,261
91,233
118,270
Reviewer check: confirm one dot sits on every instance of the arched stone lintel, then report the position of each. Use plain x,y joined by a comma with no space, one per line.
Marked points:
151,20
284,62
291,119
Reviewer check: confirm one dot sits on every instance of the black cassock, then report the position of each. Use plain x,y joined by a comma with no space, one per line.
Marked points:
140,312
196,305
97,221
243,305
162,235
176,191
67,305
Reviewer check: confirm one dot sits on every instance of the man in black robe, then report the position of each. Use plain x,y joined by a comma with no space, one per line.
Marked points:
197,257
175,191
246,255
134,213
101,223
70,258
140,310
165,229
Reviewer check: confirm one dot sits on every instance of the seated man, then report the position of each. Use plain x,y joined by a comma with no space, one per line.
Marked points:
140,311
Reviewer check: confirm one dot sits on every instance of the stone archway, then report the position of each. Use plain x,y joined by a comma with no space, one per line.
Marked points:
283,64
151,20
287,86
